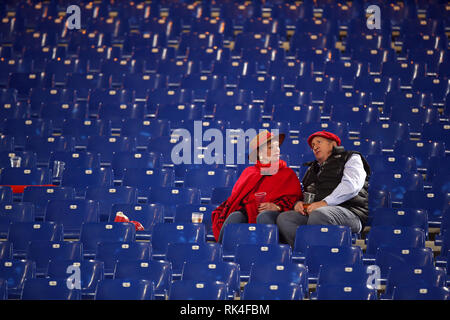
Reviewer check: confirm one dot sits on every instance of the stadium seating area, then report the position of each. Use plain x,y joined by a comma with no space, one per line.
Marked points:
87,116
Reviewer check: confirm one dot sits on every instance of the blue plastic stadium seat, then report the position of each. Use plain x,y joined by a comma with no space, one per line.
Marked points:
59,110
40,196
235,234
159,272
143,179
3,289
401,69
28,159
441,183
21,233
354,115
126,159
366,147
108,196
317,256
345,292
272,291
6,194
80,178
144,130
143,83
179,112
391,163
207,180
397,183
182,254
395,257
251,113
294,147
419,119
413,275
171,197
19,178
389,132
50,95
198,290
226,272
42,252
76,159
5,250
120,289
420,292
379,199
406,99
83,129
315,235
111,252
301,114
342,274
92,233
72,213
14,212
436,132
400,217
49,289
166,233
183,214
24,81
434,202
246,255
90,271
422,150
437,86
16,272
280,273
106,146
147,215
220,194
392,236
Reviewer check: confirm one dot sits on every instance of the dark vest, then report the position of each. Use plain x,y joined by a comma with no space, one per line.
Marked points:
324,182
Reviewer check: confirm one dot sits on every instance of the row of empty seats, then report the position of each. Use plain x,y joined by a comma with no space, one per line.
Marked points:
251,247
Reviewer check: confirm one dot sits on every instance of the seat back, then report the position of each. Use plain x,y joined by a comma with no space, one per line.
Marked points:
237,234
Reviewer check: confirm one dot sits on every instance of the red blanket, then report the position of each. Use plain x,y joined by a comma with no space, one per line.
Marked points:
282,188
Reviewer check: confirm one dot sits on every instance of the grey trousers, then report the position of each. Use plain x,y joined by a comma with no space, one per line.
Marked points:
265,217
289,221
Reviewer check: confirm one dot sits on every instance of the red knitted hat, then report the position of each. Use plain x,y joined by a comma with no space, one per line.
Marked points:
324,134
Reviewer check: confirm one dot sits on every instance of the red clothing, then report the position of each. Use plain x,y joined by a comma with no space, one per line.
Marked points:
282,188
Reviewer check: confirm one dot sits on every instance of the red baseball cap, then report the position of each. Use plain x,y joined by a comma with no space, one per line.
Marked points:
324,134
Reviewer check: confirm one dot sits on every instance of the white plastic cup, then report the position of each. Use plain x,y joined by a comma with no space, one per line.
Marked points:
197,217
58,169
15,161
308,197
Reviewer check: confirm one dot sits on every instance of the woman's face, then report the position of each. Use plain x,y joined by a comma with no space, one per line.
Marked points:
270,152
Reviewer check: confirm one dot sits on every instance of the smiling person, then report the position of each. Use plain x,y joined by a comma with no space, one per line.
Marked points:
262,190
339,179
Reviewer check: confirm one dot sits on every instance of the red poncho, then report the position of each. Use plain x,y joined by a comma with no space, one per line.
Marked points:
282,188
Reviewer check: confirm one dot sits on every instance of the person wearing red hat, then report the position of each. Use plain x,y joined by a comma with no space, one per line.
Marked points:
269,177
339,179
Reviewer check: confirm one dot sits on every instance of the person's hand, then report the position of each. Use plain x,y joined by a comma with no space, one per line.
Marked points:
299,207
268,206
315,205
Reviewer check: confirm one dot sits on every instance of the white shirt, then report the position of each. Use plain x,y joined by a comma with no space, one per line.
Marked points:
352,182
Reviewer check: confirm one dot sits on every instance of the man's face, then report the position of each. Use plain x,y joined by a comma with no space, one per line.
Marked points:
322,148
